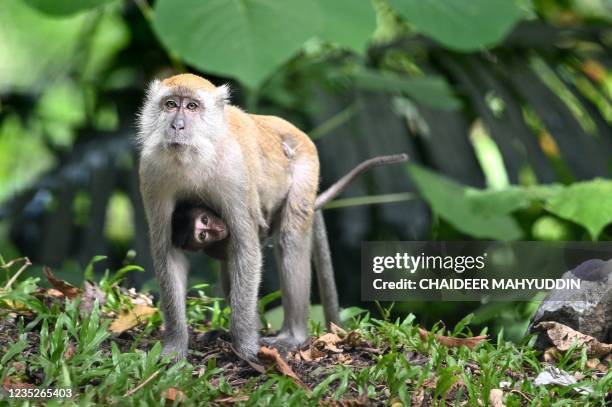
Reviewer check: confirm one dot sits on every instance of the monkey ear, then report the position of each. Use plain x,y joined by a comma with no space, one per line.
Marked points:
154,87
222,95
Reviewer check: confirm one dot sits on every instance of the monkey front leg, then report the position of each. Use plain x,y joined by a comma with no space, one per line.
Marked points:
172,277
171,269
244,272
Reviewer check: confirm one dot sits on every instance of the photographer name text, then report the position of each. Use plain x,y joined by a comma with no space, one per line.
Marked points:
478,284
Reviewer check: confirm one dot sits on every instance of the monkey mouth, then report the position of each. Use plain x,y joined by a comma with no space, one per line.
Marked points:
177,145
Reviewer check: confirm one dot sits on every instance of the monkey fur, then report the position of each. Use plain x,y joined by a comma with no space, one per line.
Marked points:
257,177
188,226
195,146
198,228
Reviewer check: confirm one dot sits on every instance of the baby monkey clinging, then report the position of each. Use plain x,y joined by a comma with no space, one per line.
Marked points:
195,228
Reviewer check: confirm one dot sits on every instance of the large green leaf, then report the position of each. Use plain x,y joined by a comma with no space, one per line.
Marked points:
587,203
349,23
429,90
245,39
461,24
65,7
249,39
481,214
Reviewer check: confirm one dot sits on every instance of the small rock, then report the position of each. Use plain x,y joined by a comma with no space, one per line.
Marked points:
587,310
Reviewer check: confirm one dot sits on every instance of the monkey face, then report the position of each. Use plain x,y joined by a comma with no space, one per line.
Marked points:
182,115
208,228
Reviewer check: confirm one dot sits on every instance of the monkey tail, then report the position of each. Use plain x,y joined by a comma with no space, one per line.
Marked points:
330,193
325,272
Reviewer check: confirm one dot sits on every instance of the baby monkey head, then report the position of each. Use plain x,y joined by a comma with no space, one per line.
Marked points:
183,112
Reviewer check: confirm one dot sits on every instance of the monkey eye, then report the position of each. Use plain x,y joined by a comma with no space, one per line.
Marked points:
192,106
205,219
171,104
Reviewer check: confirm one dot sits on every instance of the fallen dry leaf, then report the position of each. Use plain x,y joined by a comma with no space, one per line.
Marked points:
452,342
327,341
272,355
595,364
139,298
173,394
321,346
354,339
68,290
329,338
344,359
551,354
306,355
335,329
129,319
9,383
69,353
361,401
496,398
592,363
91,293
316,353
15,305
53,293
562,336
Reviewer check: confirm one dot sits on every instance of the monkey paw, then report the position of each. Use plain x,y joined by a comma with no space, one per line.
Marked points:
282,342
246,349
177,352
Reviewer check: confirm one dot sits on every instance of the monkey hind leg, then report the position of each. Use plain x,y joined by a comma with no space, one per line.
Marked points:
295,277
293,252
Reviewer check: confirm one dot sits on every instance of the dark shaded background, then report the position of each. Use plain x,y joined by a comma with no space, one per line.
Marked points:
532,108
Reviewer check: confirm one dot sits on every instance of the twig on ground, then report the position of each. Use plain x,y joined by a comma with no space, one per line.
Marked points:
141,385
27,263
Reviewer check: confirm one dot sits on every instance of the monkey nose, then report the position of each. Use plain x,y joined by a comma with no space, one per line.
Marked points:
178,124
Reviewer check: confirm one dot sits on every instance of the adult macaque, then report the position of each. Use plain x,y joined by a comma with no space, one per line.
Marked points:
260,175
194,146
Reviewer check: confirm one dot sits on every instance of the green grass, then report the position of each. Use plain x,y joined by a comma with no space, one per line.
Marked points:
51,344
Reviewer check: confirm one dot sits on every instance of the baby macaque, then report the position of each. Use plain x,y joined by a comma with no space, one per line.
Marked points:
195,228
